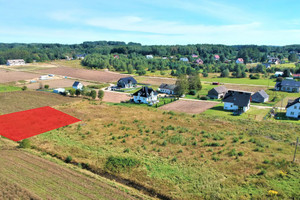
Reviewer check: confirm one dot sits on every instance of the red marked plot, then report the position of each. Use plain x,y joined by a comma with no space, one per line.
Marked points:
20,125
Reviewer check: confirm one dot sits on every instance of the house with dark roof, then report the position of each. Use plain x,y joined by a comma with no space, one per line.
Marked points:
217,92
288,85
260,96
293,108
127,82
166,88
77,85
237,101
145,95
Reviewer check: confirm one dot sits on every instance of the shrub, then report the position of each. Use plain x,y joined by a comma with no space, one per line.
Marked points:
174,159
235,139
192,92
262,172
93,94
240,153
46,86
266,161
77,92
25,144
24,88
121,164
72,91
232,152
100,94
215,158
164,143
204,98
68,159
126,150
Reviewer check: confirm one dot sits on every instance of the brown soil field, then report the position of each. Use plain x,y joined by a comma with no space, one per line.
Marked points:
115,97
154,80
24,100
101,76
55,83
192,107
26,176
10,76
245,87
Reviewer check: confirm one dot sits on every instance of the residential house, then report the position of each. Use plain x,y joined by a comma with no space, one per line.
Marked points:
274,61
293,108
199,61
127,82
260,96
59,90
184,59
288,86
145,95
116,56
267,65
216,57
166,88
15,62
195,56
77,85
239,61
217,92
149,56
237,101
296,76
80,56
278,74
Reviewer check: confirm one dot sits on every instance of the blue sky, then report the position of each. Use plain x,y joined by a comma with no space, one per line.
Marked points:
269,22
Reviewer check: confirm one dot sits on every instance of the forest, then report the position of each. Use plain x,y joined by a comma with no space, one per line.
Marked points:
120,56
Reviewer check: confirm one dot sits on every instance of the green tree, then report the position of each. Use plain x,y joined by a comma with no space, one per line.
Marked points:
78,92
25,144
72,91
194,82
293,57
24,88
182,85
46,86
225,73
93,94
129,69
100,94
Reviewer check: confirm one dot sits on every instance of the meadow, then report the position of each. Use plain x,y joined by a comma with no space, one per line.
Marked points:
182,156
9,88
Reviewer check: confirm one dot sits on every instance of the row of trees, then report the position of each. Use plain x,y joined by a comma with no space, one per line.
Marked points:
188,84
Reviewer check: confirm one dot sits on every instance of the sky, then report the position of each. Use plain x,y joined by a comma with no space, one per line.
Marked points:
151,22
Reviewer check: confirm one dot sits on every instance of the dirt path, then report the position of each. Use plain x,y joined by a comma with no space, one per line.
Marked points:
31,177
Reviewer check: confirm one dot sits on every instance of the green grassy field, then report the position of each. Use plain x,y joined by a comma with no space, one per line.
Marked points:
261,81
9,88
205,156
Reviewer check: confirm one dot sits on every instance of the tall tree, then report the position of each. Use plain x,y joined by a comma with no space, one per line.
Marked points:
182,85
194,82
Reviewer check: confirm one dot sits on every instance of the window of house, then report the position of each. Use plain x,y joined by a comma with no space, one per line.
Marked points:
295,107
292,113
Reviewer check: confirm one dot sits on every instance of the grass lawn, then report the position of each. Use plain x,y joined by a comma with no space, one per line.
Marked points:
212,155
68,63
9,88
261,81
285,65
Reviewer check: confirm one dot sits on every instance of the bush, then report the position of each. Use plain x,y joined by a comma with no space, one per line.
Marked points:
46,86
25,144
240,153
68,159
24,88
204,98
78,92
72,91
262,172
121,164
192,92
100,94
93,94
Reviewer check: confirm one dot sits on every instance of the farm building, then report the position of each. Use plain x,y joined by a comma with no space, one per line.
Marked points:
184,59
239,61
59,90
45,77
145,95
260,96
149,56
293,108
166,88
288,86
15,62
217,92
236,101
277,74
127,82
77,85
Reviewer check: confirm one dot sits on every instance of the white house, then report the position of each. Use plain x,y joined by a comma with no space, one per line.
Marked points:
288,86
145,95
149,56
59,90
278,73
293,108
184,59
127,82
166,88
77,85
45,77
15,62
237,101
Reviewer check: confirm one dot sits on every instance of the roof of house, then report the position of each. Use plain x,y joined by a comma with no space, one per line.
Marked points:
290,103
167,86
240,60
240,99
184,59
144,92
216,56
220,89
290,83
16,60
76,83
296,75
128,80
261,93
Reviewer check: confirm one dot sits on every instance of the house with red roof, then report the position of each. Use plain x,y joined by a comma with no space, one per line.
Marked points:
216,57
239,61
199,61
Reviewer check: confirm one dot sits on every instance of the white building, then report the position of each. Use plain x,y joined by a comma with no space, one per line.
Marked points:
278,74
149,56
15,62
237,101
293,108
167,89
77,85
145,95
59,90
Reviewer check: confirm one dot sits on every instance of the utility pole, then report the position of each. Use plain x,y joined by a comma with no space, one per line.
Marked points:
295,150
